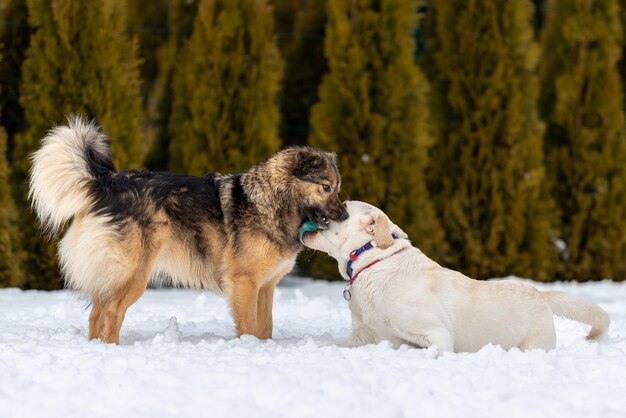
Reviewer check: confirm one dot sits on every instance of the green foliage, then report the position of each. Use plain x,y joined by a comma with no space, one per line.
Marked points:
79,61
195,85
373,113
304,68
148,22
582,102
14,38
225,115
622,62
180,14
285,12
488,175
10,254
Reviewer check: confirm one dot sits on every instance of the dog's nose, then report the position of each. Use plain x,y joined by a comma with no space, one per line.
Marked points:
344,215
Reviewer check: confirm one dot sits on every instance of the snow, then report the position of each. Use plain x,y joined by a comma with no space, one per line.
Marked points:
178,358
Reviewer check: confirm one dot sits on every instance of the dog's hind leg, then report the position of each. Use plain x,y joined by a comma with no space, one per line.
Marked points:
140,264
541,338
115,309
95,319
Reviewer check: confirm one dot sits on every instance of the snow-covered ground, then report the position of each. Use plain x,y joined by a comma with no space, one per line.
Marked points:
179,358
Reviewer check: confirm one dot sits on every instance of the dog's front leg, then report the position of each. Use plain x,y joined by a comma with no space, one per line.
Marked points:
265,323
438,337
244,293
441,339
361,335
354,340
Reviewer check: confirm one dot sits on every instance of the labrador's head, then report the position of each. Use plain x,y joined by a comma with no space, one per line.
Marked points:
366,222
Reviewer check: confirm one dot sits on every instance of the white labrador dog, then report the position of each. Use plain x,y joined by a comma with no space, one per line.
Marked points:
396,293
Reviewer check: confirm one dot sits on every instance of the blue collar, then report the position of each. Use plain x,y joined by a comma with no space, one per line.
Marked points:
354,255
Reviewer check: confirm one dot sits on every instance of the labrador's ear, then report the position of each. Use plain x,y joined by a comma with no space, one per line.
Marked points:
382,232
367,223
379,226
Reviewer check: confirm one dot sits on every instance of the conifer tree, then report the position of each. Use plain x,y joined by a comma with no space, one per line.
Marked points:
80,61
148,22
10,254
225,116
305,65
488,175
285,17
373,113
14,38
181,14
91,68
622,62
582,101
538,19
10,262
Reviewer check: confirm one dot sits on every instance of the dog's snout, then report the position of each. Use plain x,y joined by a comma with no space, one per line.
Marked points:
344,214
337,210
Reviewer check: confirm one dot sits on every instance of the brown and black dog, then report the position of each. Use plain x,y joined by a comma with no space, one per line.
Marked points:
235,233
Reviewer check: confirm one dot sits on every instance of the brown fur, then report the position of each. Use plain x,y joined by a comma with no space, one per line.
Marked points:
247,270
237,234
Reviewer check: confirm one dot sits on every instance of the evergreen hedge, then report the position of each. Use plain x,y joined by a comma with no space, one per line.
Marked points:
373,112
583,104
80,61
500,151
487,171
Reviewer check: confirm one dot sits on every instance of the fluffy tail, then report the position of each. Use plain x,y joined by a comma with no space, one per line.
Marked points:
579,310
69,159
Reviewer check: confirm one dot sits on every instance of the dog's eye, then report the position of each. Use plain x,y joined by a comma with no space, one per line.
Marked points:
326,188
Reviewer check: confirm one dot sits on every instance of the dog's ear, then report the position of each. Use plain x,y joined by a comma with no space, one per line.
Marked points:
308,165
382,232
367,222
379,226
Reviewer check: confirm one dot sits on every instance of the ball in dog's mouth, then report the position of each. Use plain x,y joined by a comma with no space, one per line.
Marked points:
307,228
317,218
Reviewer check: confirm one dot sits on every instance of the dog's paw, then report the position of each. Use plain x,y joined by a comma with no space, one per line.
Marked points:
326,340
344,343
348,343
326,343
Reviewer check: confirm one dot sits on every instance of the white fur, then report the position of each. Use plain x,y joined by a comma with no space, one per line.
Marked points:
408,298
59,191
182,268
59,173
89,259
